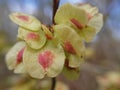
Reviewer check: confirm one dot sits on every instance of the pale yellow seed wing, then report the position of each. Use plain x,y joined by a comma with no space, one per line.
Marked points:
20,68
11,57
67,12
66,33
89,9
96,22
58,61
30,60
75,61
71,74
35,40
37,64
88,33
26,21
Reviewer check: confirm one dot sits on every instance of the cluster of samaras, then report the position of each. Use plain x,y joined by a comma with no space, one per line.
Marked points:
42,53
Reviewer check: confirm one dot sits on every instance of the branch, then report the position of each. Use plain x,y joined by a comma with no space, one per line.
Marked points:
53,83
55,7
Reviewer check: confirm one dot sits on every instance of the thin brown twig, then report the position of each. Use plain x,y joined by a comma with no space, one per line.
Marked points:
53,83
55,7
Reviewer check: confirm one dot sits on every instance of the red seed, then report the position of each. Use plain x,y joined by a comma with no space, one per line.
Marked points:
20,56
68,47
32,36
46,59
77,23
24,18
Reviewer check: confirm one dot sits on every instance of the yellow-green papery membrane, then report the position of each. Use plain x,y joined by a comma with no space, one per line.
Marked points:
95,18
96,22
71,73
48,61
14,58
87,33
75,61
35,40
68,12
70,40
90,10
47,32
26,21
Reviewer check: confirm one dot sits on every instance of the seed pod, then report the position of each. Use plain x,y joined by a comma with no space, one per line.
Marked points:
96,22
67,34
75,61
67,12
47,61
90,10
87,34
35,40
14,58
27,21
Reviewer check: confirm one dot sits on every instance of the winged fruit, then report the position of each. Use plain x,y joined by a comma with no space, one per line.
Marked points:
48,61
35,40
14,58
27,21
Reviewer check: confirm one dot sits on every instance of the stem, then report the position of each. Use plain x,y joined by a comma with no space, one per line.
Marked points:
53,83
55,7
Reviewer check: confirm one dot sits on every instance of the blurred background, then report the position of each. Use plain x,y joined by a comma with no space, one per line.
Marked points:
105,55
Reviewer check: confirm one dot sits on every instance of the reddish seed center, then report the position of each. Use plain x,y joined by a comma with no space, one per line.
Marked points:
20,56
68,47
32,36
46,59
24,18
77,23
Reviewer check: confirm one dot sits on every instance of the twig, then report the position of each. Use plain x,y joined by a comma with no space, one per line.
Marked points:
53,83
55,7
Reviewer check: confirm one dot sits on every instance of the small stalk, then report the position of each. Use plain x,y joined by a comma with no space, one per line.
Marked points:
55,7
53,83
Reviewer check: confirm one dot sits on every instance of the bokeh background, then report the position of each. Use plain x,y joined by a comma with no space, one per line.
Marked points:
106,45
